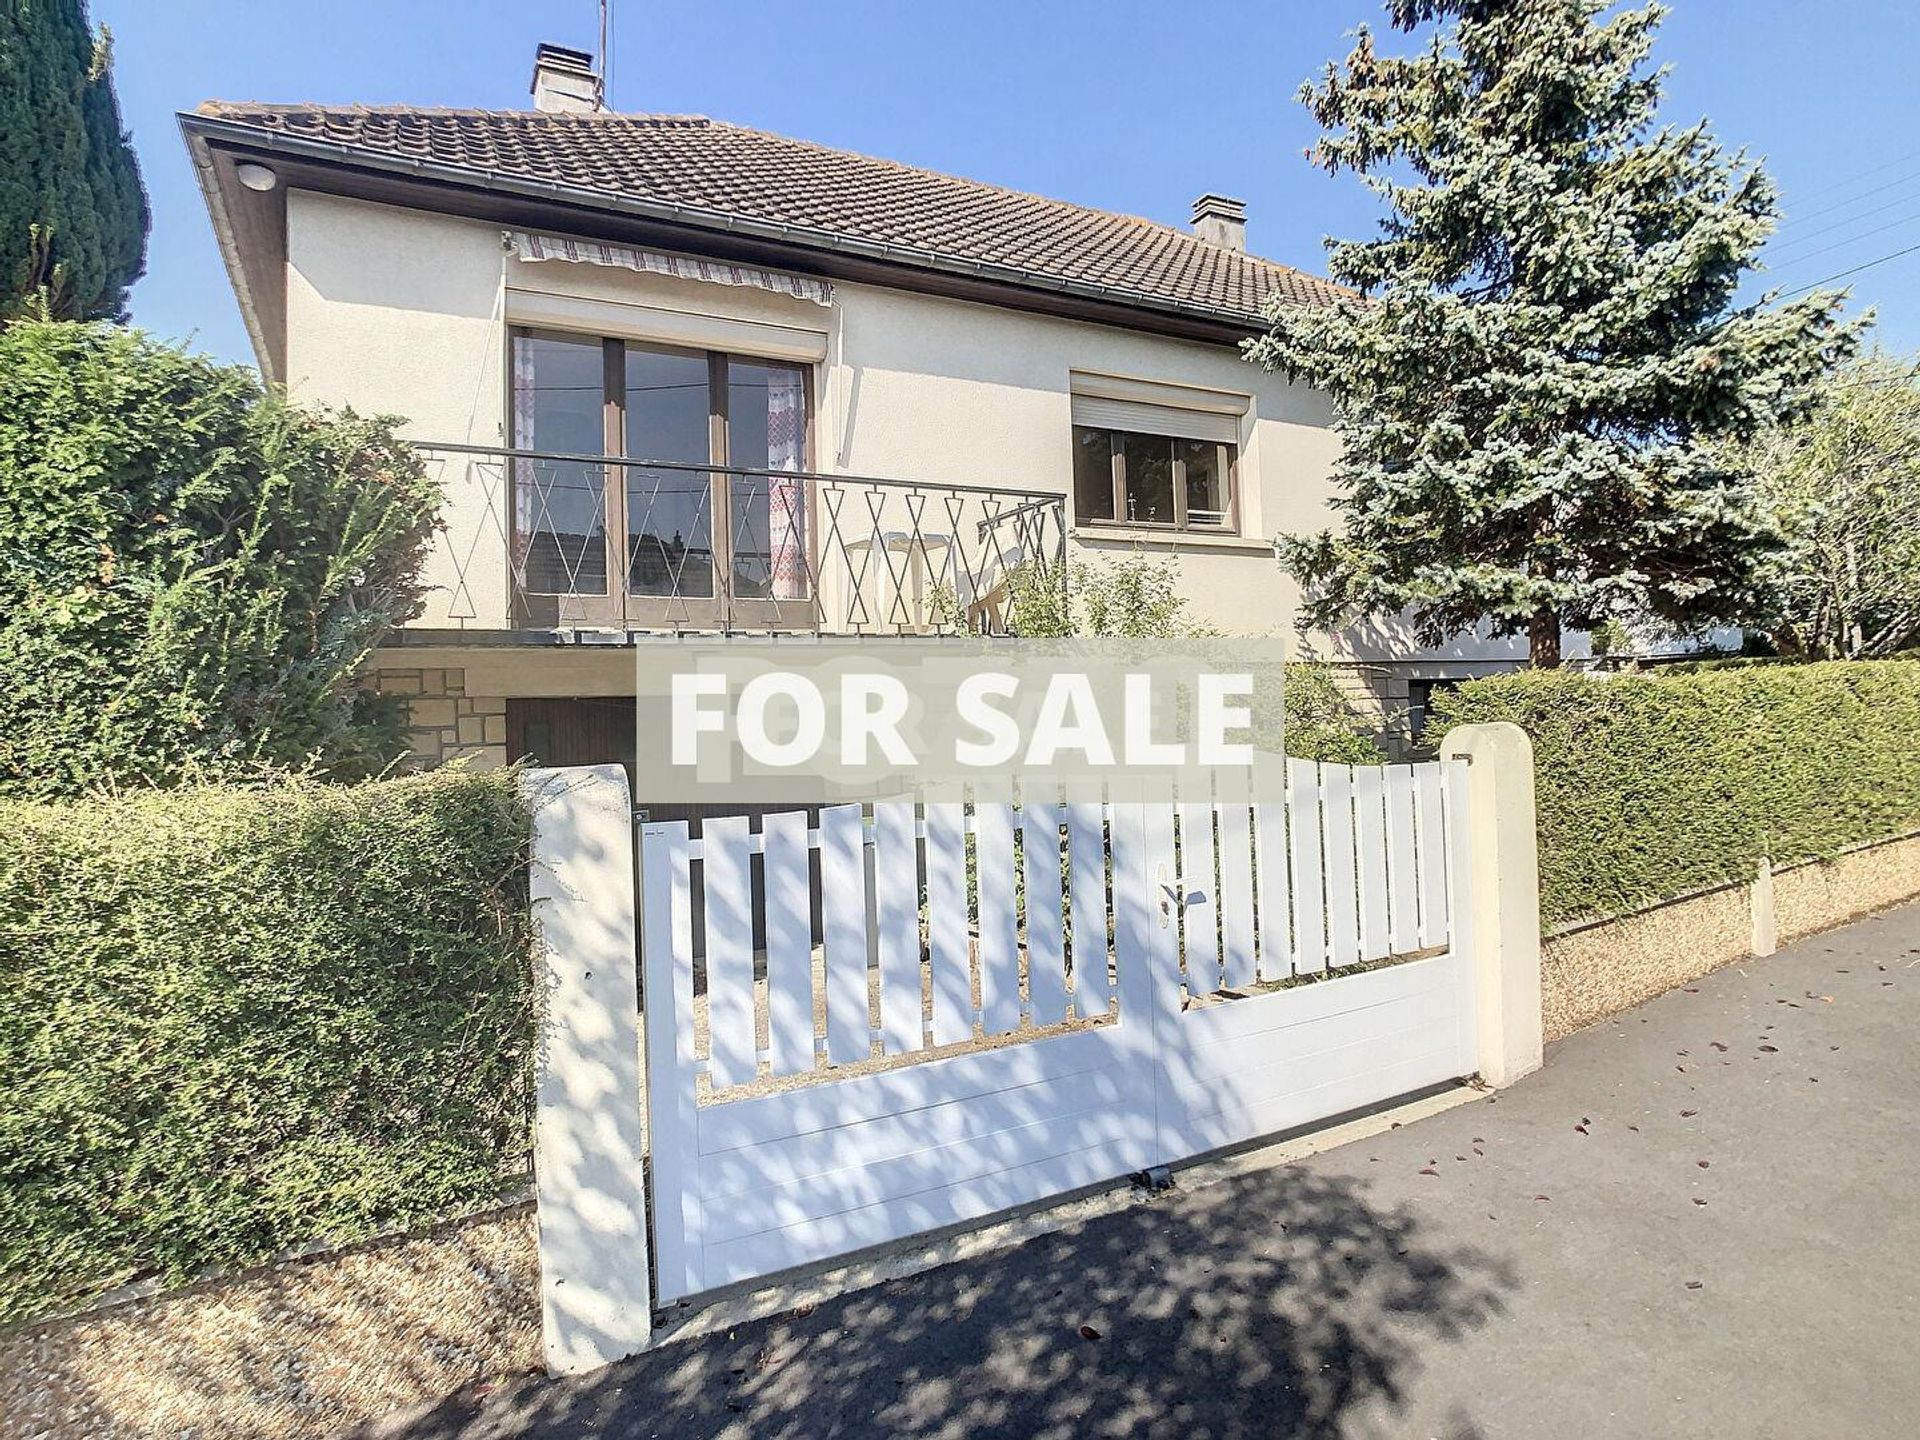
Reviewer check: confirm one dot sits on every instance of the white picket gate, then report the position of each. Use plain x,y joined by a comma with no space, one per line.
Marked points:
1003,1002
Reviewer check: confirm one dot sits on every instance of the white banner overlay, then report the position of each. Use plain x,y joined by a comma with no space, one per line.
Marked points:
815,722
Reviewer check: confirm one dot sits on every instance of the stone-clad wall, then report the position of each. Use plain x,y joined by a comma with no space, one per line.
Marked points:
444,722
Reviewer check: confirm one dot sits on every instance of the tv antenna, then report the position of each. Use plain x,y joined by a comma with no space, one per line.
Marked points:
606,54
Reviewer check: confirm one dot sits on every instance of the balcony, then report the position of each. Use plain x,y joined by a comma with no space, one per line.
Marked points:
548,545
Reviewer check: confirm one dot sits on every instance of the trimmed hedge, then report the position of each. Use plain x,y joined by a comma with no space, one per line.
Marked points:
193,571
1651,786
234,1020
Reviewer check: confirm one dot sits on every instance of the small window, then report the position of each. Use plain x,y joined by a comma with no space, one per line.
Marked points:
1131,478
1208,468
1092,473
1420,695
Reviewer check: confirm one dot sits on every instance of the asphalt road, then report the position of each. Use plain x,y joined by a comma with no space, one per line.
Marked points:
1699,1219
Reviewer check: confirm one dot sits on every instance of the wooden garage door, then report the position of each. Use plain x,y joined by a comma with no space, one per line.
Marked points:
578,730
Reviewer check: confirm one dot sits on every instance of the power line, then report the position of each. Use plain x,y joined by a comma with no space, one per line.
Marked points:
1863,175
1801,259
1871,264
1794,219
1793,241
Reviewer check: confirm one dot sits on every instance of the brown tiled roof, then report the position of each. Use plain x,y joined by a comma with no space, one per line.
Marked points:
715,169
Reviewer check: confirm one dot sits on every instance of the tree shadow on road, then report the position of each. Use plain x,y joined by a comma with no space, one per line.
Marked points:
1276,1304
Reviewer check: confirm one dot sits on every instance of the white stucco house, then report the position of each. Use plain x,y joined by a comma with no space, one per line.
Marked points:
869,394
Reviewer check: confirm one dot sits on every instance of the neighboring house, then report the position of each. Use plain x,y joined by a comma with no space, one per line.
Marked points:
875,395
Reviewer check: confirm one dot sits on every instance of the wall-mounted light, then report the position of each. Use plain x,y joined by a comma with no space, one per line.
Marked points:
255,177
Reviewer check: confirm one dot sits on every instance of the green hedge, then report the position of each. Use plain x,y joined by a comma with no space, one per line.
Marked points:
1652,786
235,1020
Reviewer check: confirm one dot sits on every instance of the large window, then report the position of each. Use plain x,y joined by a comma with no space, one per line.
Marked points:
683,538
1125,473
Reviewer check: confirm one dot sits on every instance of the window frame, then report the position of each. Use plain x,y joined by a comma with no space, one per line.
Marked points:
1181,523
619,605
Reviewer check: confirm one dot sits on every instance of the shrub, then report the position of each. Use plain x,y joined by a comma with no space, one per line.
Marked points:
1321,723
1653,786
1139,599
234,1020
192,571
1131,598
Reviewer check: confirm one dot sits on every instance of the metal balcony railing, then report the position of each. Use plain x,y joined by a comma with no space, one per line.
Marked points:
542,540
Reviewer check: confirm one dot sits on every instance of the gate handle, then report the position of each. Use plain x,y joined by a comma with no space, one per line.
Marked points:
1174,892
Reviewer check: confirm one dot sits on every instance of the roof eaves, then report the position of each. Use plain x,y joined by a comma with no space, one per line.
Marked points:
203,171
240,132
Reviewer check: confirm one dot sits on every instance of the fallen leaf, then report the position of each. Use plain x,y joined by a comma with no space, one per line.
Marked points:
1688,1114
1693,1284
1478,1151
1540,1197
1718,1046
1769,1049
1428,1170
1581,1128
1701,1163
1087,1332
1698,1201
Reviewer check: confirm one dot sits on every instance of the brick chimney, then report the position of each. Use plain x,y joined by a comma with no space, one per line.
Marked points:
1220,221
564,81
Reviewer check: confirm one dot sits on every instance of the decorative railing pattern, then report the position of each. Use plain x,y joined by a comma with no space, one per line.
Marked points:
540,540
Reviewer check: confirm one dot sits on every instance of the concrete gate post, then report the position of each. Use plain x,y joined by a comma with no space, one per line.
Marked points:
1501,869
595,1302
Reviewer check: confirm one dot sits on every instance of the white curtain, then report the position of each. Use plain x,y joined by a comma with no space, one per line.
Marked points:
525,513
787,499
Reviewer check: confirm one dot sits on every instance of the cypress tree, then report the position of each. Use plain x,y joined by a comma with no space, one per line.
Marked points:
73,215
1543,353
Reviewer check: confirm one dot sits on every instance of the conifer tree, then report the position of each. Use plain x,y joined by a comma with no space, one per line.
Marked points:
73,215
1543,358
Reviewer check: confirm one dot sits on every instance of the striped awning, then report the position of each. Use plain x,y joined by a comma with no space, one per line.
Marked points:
658,262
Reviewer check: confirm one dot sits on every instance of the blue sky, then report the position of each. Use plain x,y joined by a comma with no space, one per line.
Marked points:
1124,105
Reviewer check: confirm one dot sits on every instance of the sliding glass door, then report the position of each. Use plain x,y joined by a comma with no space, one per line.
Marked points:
669,513
656,545
766,425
